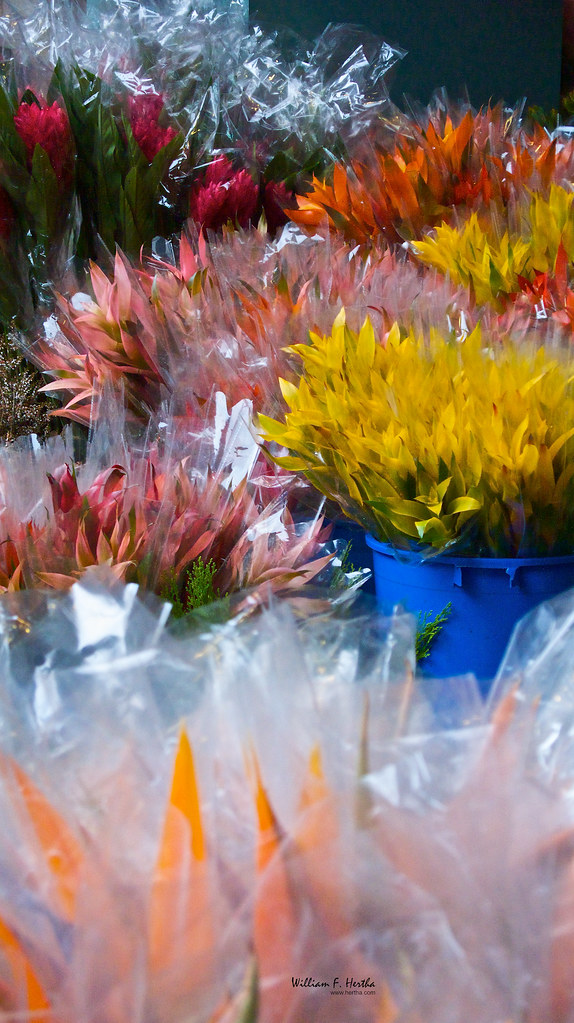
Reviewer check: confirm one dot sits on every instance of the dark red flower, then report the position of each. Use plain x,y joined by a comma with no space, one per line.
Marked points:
276,199
49,128
224,195
6,214
243,194
208,206
219,171
145,110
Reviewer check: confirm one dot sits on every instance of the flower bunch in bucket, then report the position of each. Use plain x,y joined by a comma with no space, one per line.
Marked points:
533,258
435,443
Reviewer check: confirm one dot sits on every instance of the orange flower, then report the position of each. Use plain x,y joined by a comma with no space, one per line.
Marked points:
427,173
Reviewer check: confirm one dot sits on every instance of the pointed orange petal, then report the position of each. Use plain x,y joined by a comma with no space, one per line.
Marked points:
181,934
24,977
340,188
387,1011
275,926
185,796
62,850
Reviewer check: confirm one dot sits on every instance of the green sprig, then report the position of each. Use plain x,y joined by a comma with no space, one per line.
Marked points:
198,589
428,629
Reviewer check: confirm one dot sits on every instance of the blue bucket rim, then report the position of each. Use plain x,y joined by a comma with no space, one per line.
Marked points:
444,559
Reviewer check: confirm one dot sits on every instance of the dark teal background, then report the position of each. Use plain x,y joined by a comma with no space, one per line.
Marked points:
498,49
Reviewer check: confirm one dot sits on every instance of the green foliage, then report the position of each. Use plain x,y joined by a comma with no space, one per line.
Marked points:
197,591
341,571
551,119
297,167
428,628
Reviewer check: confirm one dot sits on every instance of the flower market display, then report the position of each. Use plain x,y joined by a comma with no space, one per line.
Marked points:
173,849
250,306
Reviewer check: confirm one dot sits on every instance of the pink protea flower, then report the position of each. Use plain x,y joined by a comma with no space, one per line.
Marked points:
49,128
224,195
145,110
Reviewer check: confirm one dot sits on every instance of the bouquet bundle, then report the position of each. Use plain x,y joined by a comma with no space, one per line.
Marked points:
81,167
176,114
221,316
427,441
195,527
427,173
172,848
534,259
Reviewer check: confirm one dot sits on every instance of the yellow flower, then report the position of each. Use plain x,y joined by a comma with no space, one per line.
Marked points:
426,440
478,257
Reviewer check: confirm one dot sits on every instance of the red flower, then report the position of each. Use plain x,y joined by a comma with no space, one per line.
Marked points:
49,128
145,110
225,195
243,194
65,493
219,172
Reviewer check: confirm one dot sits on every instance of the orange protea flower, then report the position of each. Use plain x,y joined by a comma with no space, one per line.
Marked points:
397,193
427,172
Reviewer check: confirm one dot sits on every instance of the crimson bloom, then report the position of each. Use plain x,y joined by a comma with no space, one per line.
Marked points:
145,109
49,128
224,195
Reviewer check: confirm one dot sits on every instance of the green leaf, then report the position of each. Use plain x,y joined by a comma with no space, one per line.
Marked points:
463,504
43,198
292,463
28,96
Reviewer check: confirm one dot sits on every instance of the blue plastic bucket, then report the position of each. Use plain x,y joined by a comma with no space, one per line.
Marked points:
360,555
488,596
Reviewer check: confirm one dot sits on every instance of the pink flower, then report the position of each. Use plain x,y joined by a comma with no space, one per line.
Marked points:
145,110
49,128
225,195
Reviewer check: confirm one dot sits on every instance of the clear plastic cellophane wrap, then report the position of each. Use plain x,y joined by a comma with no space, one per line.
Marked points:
222,314
120,121
186,507
273,820
280,81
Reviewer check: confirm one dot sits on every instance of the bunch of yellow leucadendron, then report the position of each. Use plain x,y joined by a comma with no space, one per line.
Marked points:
436,442
477,256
